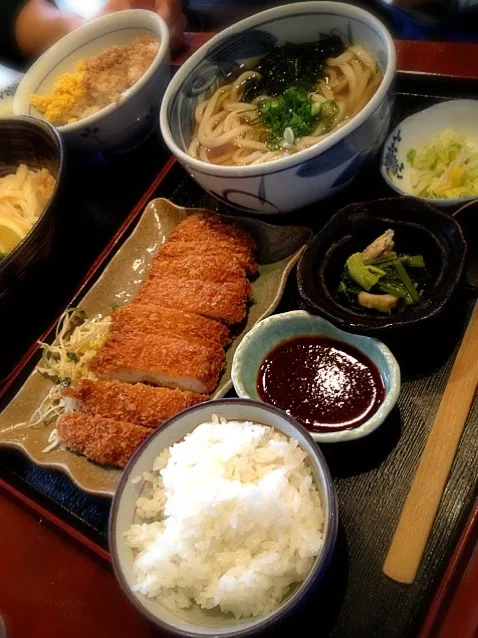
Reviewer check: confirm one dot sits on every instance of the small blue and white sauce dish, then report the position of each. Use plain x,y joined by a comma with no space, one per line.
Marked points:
340,386
282,166
446,137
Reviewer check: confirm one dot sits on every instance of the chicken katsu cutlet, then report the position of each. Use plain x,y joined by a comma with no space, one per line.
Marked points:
160,360
105,441
204,267
225,302
229,253
137,403
155,320
217,227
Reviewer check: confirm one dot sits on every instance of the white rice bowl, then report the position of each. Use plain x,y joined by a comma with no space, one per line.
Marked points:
232,521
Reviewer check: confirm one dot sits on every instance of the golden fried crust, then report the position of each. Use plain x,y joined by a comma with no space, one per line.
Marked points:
227,302
204,267
230,253
208,225
155,320
105,441
137,403
161,360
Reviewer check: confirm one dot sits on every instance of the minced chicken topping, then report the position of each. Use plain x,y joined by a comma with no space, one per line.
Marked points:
96,82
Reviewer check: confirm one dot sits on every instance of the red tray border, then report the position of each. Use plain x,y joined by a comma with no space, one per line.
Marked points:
55,520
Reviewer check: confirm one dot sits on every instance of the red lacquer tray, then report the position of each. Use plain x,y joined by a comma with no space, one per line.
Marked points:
53,497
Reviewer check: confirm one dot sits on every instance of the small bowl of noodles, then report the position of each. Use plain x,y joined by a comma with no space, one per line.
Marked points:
283,108
31,170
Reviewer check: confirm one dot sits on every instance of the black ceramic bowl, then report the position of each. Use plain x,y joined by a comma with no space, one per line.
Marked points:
467,217
34,142
419,229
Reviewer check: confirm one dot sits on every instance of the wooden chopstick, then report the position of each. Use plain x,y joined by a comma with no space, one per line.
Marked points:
421,505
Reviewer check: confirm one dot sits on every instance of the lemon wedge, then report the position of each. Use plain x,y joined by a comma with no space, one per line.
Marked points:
12,231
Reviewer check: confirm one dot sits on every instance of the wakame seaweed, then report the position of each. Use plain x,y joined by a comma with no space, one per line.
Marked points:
298,65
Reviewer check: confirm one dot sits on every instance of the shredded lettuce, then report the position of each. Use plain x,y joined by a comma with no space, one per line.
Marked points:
445,168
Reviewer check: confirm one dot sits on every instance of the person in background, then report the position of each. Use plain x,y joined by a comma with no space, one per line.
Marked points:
30,27
446,20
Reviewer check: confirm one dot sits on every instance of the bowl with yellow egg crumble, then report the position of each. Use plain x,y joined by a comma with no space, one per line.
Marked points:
101,86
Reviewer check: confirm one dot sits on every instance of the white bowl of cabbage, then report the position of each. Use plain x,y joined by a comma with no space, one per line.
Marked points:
433,154
284,108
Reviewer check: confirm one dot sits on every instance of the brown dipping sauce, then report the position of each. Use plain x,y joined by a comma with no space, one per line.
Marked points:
327,385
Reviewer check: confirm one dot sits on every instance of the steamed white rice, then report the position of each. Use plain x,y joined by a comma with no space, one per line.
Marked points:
234,519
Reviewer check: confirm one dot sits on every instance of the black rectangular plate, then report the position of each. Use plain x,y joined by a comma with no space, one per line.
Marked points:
372,476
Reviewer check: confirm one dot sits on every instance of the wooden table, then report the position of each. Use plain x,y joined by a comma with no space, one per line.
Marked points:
53,587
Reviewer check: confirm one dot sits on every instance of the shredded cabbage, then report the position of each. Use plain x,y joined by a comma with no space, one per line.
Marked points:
78,338
66,362
446,168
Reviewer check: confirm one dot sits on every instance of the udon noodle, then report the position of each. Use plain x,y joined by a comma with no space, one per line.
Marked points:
230,130
23,197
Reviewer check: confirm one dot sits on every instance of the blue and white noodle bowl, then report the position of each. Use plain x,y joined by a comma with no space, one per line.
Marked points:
309,175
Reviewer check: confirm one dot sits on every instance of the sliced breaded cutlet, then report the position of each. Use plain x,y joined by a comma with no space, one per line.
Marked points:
229,253
225,302
160,360
204,267
105,441
208,225
137,403
155,320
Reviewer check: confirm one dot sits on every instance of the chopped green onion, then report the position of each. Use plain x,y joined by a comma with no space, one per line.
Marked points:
315,108
329,108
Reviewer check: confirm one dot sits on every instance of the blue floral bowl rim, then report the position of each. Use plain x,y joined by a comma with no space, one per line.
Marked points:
256,20
392,366
438,201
